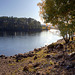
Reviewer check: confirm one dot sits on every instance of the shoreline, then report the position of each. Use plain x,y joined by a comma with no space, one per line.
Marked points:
55,59
58,41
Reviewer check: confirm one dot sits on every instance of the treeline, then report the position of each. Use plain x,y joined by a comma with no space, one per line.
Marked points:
19,24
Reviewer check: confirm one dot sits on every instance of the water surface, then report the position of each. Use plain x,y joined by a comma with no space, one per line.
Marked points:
21,42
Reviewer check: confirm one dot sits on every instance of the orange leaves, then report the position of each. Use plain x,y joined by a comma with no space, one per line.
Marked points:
41,6
46,24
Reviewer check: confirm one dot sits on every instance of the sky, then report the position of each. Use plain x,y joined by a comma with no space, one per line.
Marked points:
20,8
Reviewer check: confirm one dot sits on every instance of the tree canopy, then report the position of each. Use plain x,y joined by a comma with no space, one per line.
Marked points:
60,13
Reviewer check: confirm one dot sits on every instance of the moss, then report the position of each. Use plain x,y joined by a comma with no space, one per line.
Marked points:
40,52
45,62
26,60
48,72
37,68
12,64
30,65
15,71
72,46
32,70
13,74
51,62
21,68
40,60
49,68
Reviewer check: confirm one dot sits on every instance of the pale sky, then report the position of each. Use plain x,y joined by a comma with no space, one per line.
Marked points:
20,8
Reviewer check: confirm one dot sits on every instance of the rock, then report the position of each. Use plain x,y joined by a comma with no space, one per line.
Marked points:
3,73
14,56
59,46
69,66
62,63
36,65
48,56
56,66
41,73
73,58
30,61
72,54
30,54
19,57
1,56
58,56
45,51
17,60
37,73
72,61
37,50
25,55
48,51
6,57
66,57
35,57
50,46
25,68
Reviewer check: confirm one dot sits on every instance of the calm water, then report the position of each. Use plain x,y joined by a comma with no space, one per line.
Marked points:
20,42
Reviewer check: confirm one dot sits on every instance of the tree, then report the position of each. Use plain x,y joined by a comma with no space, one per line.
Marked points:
61,13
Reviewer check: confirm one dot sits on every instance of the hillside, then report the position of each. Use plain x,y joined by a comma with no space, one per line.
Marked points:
55,59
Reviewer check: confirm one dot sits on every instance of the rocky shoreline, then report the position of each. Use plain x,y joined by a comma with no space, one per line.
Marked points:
55,59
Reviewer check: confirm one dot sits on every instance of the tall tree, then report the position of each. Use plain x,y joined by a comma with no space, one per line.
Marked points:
61,13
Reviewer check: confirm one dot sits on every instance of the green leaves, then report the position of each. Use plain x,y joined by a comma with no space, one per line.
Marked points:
61,13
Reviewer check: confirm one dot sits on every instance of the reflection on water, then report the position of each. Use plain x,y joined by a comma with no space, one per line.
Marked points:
55,32
12,43
6,34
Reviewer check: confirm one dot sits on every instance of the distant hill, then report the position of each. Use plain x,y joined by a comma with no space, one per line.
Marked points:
19,24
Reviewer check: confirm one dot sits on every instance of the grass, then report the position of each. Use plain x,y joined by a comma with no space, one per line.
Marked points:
12,64
32,70
51,62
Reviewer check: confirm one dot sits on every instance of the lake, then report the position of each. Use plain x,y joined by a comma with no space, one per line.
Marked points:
21,42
